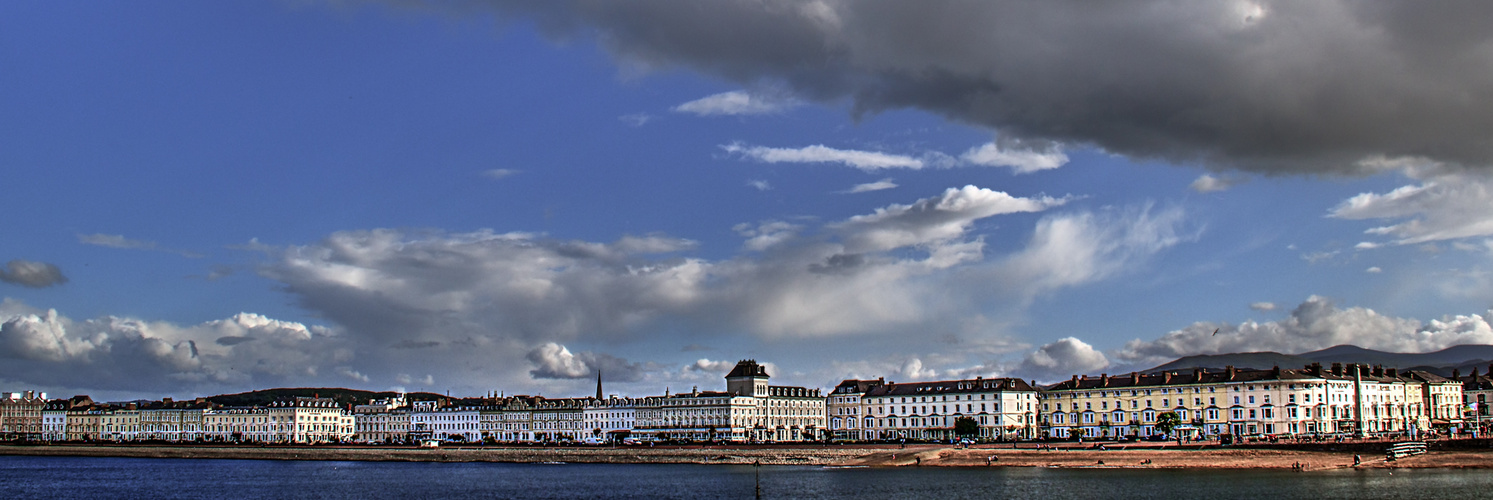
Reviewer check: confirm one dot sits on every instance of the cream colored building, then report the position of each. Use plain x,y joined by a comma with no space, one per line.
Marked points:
1002,409
20,414
1355,399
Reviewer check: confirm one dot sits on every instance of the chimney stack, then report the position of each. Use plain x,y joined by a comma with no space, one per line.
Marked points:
1104,380
1378,370
1456,373
1134,378
1391,372
1166,378
1337,369
1229,370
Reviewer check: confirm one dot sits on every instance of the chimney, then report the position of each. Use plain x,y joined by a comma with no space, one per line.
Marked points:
166,400
1104,380
1275,371
1134,378
1166,378
1316,369
1456,374
1075,381
1474,372
1391,373
1378,370
1229,371
1197,375
1337,369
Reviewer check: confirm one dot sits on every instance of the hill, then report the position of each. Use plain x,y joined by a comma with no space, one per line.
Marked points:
1463,358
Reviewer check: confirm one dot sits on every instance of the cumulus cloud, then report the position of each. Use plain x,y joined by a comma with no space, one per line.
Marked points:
1269,86
760,185
736,102
32,274
1263,306
1208,183
864,160
1022,156
1317,323
1060,359
872,186
705,365
1444,206
766,234
126,354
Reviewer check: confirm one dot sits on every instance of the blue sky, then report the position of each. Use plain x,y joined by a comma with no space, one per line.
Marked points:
225,196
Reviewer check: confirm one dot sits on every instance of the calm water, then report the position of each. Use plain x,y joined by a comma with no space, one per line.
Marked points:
118,478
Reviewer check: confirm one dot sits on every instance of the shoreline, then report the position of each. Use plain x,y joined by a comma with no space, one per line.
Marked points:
853,456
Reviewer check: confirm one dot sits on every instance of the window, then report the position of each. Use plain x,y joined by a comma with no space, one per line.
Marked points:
1251,400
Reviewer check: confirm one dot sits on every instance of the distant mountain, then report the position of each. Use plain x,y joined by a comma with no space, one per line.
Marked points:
1255,360
1451,356
1461,357
342,396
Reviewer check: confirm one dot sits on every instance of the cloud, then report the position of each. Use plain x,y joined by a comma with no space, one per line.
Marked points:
32,274
119,241
872,186
760,185
1315,324
1207,183
934,219
1022,156
705,365
1373,270
553,360
48,349
736,102
499,173
1444,206
864,160
636,119
1060,359
1071,249
766,234
1263,306
1281,87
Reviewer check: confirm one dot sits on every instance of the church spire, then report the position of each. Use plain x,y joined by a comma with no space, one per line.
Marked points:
598,384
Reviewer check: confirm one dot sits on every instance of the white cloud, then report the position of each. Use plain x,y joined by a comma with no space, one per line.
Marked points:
119,241
873,186
934,219
766,234
760,185
1263,306
1060,359
1444,206
1072,249
1023,158
864,160
1207,183
1315,324
1373,270
736,102
126,354
499,173
636,119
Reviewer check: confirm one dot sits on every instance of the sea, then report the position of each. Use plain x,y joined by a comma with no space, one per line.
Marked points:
130,478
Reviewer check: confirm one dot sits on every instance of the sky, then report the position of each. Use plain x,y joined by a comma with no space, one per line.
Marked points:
508,196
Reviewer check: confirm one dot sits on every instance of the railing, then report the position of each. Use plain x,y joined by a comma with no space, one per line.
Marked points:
1406,449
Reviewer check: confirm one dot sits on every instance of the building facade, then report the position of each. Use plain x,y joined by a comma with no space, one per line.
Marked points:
1001,408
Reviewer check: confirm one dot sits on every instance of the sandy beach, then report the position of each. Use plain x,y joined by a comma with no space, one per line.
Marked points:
870,456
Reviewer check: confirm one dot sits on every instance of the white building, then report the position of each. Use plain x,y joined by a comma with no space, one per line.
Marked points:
1001,408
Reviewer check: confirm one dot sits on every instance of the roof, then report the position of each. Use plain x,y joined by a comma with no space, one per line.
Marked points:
1231,374
853,386
951,387
748,368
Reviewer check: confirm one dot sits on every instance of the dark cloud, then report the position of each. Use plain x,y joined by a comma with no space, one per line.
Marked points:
1293,87
32,274
415,344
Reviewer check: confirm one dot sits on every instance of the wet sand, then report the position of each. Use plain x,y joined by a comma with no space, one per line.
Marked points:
870,456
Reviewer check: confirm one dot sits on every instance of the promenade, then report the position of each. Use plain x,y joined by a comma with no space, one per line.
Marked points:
832,455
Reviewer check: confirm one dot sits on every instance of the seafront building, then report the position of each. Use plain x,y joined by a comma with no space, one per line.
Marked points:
20,414
1355,399
1312,401
1001,408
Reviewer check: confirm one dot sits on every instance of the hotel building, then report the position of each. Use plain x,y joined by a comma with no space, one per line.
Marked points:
1002,409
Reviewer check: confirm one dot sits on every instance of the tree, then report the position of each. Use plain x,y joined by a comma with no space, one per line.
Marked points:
966,426
1168,422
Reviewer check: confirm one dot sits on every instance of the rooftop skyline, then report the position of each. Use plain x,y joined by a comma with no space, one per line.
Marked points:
214,198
